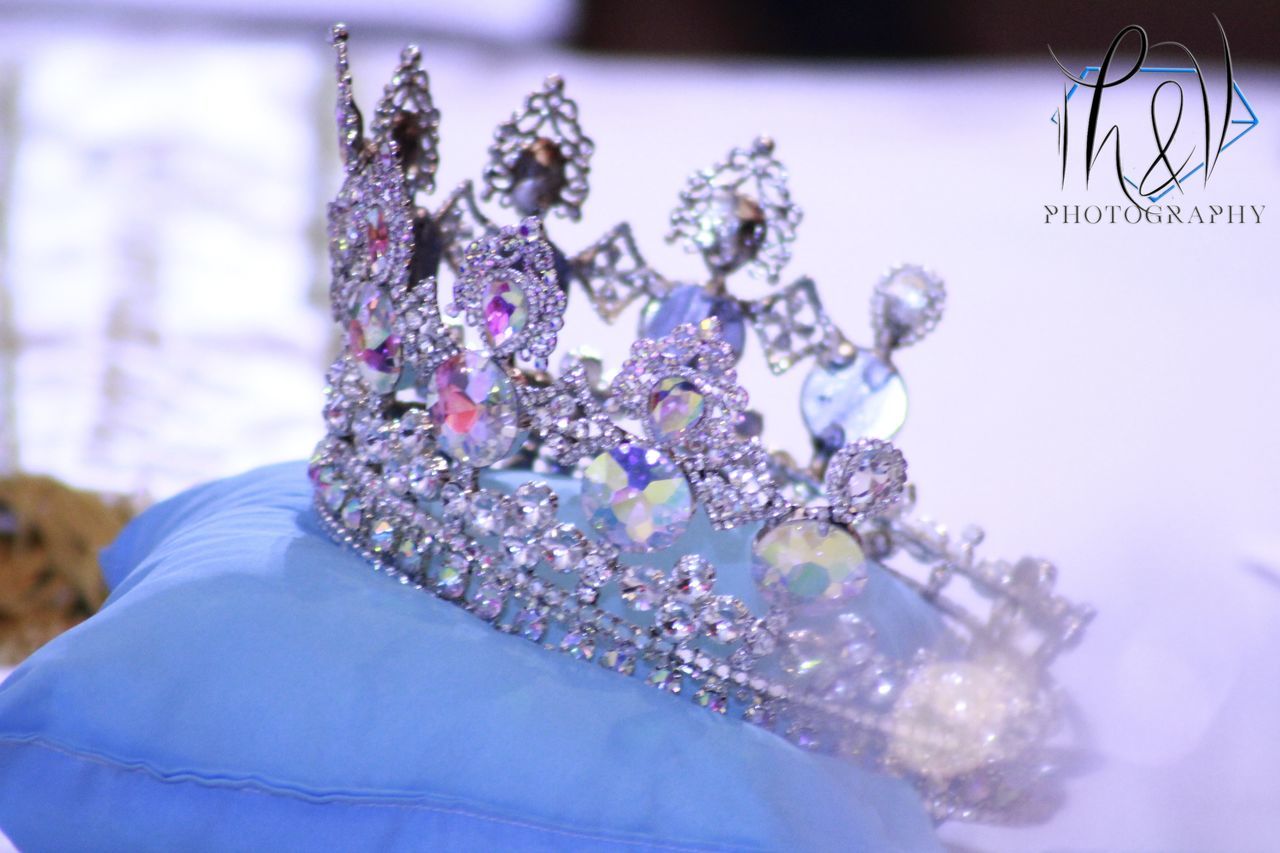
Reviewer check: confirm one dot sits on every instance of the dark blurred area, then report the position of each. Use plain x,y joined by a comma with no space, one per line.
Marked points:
976,28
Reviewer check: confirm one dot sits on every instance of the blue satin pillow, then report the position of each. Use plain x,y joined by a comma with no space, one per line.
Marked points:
251,686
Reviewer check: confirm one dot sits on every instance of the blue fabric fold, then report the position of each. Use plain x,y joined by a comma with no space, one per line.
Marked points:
249,685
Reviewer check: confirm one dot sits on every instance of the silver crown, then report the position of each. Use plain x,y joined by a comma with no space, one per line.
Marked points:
431,422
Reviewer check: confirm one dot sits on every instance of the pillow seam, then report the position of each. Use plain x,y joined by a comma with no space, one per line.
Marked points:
300,793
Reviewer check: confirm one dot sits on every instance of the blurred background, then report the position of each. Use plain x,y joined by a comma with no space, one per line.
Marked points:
1104,395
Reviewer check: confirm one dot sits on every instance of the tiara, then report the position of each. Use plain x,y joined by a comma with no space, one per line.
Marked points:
558,504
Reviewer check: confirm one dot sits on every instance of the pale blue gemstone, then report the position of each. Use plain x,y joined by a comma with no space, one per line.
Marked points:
690,303
864,399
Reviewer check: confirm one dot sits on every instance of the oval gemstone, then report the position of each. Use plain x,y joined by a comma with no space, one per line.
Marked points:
473,403
377,239
675,404
807,560
636,497
372,340
506,311
863,399
690,303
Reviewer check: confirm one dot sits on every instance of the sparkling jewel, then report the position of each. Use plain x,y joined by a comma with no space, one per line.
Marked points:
620,658
712,700
506,311
638,592
675,404
955,716
863,399
474,404
426,475
866,477
489,601
451,582
908,303
691,303
565,547
407,556
693,577
579,644
378,239
372,340
330,487
531,623
730,230
677,620
806,560
352,513
382,535
636,497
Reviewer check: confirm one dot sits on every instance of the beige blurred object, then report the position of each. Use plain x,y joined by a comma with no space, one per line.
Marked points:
50,580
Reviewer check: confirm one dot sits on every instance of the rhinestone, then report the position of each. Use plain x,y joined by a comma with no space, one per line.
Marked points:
329,486
690,303
474,404
578,644
620,658
506,311
665,678
693,577
636,497
720,621
408,559
637,592
426,476
864,399
352,513
565,547
489,601
675,404
486,513
378,239
908,304
807,560
730,230
712,700
867,477
382,535
677,621
537,505
372,340
451,582
531,623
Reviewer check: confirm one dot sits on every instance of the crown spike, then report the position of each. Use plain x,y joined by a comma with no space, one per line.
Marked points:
407,118
350,122
540,158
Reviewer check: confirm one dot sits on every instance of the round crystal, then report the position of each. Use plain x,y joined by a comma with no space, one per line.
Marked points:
863,399
636,497
675,404
506,311
866,477
806,560
908,304
691,303
372,340
473,403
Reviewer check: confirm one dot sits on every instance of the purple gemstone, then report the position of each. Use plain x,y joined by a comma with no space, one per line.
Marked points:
371,339
506,311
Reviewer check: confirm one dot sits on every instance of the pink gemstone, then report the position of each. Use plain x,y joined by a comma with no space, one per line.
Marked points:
474,404
371,338
506,311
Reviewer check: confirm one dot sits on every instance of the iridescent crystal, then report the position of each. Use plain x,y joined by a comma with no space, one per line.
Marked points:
377,239
352,514
489,601
675,404
372,340
636,497
506,311
531,623
382,535
907,306
806,560
579,644
451,580
864,399
565,547
620,658
473,403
